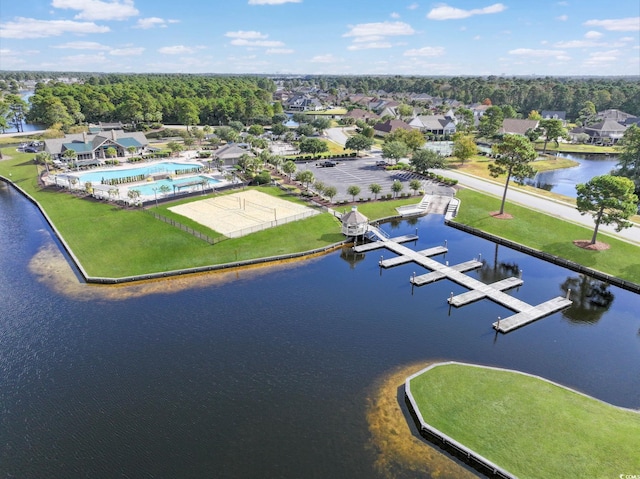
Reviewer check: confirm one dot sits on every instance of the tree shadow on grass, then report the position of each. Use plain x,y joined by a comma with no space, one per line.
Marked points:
566,249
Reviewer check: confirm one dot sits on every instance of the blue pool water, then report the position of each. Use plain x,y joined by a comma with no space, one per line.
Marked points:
148,189
164,167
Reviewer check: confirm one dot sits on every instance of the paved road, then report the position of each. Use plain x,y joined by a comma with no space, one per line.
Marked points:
552,207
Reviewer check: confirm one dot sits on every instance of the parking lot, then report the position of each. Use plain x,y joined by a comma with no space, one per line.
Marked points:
363,172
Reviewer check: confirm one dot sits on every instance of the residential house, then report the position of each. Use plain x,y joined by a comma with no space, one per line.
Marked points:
515,126
91,148
616,115
434,124
360,114
554,115
605,132
230,154
389,126
302,103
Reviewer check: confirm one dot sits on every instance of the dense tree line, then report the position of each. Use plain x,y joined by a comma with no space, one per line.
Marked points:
138,99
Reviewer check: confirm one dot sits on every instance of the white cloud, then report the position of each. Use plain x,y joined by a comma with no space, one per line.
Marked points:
279,51
631,24
127,52
84,59
592,35
380,29
368,46
575,44
328,58
249,35
425,52
82,46
413,6
445,12
242,42
152,22
601,58
177,50
477,37
98,10
562,18
272,2
529,52
395,15
32,28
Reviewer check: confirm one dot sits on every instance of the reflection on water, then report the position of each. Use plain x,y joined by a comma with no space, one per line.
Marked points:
591,299
276,372
564,181
350,256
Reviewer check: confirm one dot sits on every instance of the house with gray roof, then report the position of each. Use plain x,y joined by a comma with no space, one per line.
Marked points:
605,132
434,124
515,126
389,126
91,148
230,154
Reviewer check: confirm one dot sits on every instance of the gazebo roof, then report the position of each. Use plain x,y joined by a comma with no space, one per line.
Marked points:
354,217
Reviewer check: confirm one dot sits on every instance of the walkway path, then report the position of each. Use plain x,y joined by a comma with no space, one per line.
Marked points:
549,206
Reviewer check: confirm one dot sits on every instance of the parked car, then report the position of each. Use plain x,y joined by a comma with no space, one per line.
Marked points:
30,149
381,163
325,164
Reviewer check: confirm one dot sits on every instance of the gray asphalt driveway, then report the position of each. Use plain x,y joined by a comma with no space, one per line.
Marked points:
363,172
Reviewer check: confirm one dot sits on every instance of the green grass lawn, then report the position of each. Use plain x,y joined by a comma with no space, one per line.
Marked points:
529,427
113,242
575,148
549,234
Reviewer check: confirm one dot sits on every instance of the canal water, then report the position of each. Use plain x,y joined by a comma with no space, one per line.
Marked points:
564,181
266,372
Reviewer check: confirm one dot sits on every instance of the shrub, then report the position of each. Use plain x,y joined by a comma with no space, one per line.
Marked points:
263,178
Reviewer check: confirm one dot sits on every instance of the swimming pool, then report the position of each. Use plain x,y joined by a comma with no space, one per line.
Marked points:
181,185
98,176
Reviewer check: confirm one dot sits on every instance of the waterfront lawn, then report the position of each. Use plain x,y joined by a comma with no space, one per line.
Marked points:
549,234
375,210
478,165
113,242
528,426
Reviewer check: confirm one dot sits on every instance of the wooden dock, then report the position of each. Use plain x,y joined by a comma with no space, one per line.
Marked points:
532,314
388,263
525,313
483,292
441,274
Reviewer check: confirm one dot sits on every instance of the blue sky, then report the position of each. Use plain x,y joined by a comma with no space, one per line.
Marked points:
460,37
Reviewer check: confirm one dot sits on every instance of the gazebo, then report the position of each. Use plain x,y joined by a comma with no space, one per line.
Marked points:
354,223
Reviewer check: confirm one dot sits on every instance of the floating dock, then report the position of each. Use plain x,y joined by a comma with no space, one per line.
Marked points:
525,312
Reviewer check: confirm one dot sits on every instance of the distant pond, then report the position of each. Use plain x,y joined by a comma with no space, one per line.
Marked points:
564,181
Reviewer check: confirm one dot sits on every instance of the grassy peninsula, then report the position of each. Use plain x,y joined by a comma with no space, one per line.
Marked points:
528,426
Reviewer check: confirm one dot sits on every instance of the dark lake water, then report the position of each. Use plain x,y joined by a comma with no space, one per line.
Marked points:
263,373
564,181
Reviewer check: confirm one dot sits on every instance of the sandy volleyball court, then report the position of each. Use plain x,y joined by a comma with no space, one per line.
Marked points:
242,213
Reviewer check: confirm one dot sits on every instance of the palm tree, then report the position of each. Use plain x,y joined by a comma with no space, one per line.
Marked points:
131,150
289,168
375,188
111,152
